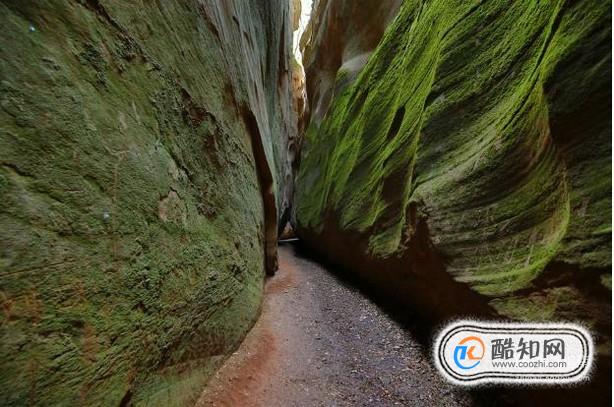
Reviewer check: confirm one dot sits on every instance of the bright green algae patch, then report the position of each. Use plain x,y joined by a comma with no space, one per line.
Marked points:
131,244
493,117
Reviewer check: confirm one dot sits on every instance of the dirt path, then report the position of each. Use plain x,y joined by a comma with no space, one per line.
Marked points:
322,343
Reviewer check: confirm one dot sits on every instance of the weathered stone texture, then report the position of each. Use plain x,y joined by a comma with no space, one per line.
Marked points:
139,141
466,167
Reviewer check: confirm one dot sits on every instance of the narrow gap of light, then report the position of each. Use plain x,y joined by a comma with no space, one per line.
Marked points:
304,20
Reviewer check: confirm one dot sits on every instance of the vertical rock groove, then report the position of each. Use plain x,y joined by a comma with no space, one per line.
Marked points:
265,180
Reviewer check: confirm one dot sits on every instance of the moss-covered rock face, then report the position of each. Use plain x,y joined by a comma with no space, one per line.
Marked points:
336,44
139,141
470,158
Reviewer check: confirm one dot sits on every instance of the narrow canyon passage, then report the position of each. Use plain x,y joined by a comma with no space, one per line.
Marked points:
321,342
454,157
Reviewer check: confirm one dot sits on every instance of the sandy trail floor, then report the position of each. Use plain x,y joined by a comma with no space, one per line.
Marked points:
320,342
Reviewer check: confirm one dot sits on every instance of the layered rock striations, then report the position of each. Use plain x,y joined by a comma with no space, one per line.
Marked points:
143,167
336,44
466,167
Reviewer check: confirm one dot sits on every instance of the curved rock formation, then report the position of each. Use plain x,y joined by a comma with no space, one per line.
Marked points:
143,167
466,167
336,44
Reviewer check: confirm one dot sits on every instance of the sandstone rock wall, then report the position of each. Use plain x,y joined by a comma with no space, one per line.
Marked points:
143,166
336,44
466,168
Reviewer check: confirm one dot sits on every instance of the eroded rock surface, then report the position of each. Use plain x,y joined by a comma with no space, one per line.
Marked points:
142,145
466,167
336,44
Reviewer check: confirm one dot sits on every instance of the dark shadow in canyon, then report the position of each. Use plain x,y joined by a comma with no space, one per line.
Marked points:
424,327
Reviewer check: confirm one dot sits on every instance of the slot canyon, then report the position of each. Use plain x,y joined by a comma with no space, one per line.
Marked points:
279,203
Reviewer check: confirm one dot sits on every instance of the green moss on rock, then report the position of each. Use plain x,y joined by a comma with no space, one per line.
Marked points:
131,216
492,121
